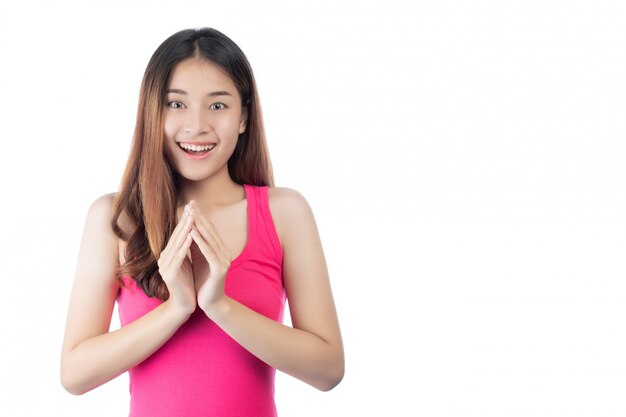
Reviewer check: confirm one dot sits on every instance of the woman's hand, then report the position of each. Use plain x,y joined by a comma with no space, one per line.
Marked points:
210,262
175,267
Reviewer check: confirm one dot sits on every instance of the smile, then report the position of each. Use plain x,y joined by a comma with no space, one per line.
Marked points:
193,151
196,148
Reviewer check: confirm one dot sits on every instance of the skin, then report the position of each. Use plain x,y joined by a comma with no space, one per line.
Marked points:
210,233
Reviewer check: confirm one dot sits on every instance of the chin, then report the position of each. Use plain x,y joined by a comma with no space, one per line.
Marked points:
194,176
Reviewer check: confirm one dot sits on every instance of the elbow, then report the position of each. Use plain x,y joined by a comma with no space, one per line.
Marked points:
333,378
335,372
72,390
69,382
70,387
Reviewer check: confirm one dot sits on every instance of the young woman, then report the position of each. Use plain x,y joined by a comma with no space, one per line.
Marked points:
200,251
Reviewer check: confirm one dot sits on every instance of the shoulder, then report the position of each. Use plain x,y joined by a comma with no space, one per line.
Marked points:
101,208
290,210
285,195
101,213
99,240
287,201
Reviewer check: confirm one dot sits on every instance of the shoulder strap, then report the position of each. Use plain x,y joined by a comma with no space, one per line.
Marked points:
268,221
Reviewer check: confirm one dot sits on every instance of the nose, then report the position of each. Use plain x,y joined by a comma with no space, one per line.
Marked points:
197,121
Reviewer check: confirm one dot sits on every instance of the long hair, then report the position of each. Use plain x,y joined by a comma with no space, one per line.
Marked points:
148,192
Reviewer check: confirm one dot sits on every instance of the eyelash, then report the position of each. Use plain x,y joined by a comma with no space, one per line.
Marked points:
169,104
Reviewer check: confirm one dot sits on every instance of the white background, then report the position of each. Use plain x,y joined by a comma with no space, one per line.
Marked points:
465,161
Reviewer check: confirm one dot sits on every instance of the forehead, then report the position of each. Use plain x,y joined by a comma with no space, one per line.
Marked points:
197,75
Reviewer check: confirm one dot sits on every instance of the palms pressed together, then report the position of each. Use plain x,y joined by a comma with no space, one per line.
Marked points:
195,262
210,261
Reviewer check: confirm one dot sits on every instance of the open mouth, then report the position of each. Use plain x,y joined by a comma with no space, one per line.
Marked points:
189,148
196,151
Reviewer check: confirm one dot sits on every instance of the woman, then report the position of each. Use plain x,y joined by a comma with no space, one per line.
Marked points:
200,251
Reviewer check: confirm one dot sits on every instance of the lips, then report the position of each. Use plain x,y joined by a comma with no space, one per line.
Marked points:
196,147
196,150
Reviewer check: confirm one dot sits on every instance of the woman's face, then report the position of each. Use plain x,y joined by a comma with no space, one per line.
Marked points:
202,113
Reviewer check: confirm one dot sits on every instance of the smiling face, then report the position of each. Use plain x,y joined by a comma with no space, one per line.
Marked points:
203,114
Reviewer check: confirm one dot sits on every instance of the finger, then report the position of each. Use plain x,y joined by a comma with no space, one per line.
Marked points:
185,226
212,236
177,237
206,250
181,254
213,240
209,233
178,227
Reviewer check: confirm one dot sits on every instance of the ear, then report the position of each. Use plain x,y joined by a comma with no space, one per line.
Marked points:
244,119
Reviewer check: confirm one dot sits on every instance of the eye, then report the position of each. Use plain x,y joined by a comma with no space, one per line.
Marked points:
170,103
221,106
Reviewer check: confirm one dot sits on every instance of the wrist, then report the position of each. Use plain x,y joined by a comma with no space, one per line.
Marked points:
180,313
217,308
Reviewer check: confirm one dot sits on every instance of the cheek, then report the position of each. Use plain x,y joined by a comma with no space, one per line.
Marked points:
170,127
228,127
169,132
168,150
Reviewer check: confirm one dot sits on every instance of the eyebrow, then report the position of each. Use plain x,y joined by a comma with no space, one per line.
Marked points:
211,94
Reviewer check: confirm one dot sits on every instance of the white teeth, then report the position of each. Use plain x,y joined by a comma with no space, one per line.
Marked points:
195,148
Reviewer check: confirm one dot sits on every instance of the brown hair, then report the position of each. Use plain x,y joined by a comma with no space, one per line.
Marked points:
148,191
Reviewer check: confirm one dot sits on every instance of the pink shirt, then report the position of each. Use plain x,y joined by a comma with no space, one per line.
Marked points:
200,370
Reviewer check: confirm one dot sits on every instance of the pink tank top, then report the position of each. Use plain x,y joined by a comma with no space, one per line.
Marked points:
200,370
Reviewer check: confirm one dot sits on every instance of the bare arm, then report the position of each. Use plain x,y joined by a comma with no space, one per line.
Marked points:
312,350
91,355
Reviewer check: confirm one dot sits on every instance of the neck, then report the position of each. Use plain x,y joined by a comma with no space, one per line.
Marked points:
213,192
